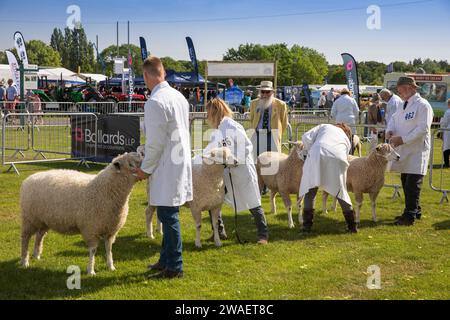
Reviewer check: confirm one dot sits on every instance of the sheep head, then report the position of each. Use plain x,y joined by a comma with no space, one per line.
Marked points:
221,156
386,151
126,162
297,148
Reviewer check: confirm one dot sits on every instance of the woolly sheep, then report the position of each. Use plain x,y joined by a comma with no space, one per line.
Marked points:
208,191
72,202
285,180
366,175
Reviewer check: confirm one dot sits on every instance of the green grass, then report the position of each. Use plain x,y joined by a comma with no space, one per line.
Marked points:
327,264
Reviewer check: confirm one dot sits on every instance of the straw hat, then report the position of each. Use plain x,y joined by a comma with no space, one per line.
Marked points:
266,85
407,81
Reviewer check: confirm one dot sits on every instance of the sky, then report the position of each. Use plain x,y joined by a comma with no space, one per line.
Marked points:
408,28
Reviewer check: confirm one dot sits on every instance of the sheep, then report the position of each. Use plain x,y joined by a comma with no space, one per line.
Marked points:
284,178
208,190
366,175
72,202
357,146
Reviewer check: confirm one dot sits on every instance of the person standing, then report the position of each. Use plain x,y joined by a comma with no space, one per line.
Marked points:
330,98
269,118
345,109
327,147
393,103
2,93
374,118
409,131
168,161
322,100
11,96
241,182
445,124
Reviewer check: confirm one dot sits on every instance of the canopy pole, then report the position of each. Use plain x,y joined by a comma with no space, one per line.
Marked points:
206,85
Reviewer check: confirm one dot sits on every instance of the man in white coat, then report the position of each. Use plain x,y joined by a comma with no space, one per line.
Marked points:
345,109
409,131
327,147
393,103
445,124
168,161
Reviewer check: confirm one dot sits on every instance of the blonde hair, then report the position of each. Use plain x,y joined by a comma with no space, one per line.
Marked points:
217,109
154,66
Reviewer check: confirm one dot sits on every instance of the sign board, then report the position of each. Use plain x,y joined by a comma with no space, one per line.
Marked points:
30,81
115,135
426,78
119,65
241,70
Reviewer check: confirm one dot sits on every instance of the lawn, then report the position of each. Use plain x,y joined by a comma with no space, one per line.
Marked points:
327,264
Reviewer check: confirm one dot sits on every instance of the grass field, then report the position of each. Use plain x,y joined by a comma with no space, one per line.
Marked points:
327,264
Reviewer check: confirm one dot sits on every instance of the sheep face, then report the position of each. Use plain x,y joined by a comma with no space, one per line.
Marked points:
220,156
141,150
127,162
298,148
387,151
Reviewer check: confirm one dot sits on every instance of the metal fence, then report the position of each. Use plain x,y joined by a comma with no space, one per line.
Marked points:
439,178
43,137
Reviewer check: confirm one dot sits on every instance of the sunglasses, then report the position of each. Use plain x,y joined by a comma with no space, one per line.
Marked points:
265,91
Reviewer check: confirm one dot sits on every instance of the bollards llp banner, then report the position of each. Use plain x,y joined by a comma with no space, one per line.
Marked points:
115,135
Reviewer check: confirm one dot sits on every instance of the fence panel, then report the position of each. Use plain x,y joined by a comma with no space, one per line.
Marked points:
128,107
97,107
438,176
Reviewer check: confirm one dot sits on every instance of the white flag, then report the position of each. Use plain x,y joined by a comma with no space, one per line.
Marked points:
19,42
14,66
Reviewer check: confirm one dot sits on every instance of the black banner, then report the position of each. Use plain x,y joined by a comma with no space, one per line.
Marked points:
351,73
193,56
116,134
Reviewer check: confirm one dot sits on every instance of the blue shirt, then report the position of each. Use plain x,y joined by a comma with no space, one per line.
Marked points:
11,93
2,93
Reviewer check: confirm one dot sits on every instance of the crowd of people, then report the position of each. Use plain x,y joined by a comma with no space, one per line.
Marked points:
325,149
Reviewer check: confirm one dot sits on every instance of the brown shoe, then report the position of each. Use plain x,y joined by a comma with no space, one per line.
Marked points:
157,267
262,241
166,274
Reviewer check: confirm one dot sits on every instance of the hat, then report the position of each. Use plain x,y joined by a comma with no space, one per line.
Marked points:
345,90
407,81
266,85
2,82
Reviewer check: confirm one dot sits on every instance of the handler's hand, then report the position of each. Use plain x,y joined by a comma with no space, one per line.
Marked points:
396,141
139,174
389,135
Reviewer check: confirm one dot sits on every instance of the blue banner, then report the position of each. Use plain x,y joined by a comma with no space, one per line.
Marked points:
144,53
351,74
193,56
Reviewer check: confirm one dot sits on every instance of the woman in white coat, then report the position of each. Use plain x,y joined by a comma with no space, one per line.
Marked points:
445,124
345,109
243,185
327,147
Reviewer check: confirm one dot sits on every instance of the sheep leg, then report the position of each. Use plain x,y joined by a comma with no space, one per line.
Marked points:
39,243
359,200
273,206
149,212
197,215
324,201
26,236
288,205
92,251
373,203
334,204
108,248
159,226
299,208
215,221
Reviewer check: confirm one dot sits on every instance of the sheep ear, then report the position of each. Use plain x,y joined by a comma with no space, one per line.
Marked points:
117,165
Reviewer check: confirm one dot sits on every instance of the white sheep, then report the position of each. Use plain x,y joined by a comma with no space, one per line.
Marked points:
366,175
282,174
208,191
72,202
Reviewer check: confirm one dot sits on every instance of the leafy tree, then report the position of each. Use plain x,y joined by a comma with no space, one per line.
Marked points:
109,53
38,53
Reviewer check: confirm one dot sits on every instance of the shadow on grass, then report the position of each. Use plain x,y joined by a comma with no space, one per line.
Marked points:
443,225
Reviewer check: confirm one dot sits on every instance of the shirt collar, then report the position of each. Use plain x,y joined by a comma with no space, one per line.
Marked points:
159,86
413,98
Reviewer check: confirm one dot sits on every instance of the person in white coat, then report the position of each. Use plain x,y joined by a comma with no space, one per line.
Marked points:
242,190
393,103
445,124
168,161
327,147
409,130
345,109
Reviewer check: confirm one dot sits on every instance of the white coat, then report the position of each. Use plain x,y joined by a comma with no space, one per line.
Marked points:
345,110
167,147
326,163
244,176
414,126
445,124
395,103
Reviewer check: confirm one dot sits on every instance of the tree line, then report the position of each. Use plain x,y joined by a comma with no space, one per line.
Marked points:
296,65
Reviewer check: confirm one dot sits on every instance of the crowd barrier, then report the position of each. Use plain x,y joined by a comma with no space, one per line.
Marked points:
439,181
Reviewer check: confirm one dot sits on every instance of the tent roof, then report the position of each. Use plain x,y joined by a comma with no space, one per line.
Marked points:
94,76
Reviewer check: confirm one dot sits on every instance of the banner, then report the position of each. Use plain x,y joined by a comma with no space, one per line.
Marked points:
19,42
14,66
116,134
193,56
144,53
351,74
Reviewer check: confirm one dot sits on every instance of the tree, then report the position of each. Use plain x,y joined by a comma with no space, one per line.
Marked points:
38,53
109,53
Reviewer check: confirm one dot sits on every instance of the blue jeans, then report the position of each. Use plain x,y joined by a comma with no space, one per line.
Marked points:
171,248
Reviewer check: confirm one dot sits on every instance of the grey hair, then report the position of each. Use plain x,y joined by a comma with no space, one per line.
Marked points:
385,91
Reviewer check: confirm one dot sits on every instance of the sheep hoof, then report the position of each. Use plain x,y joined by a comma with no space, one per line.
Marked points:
37,257
291,226
91,273
150,236
25,265
218,244
325,211
112,268
198,245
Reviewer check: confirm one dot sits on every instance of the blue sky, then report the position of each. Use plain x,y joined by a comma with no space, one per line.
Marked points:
409,29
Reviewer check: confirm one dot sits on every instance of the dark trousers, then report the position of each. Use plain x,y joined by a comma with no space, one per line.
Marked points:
259,148
412,185
447,158
310,197
171,248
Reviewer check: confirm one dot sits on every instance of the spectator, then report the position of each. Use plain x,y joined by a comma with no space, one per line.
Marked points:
393,103
2,93
409,131
292,101
345,109
445,124
166,127
374,118
322,100
11,96
330,98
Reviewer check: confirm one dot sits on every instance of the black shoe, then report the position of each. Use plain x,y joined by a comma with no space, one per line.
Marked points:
166,274
404,221
157,267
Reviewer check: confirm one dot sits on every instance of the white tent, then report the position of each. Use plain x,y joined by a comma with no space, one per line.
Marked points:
55,74
5,73
94,76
